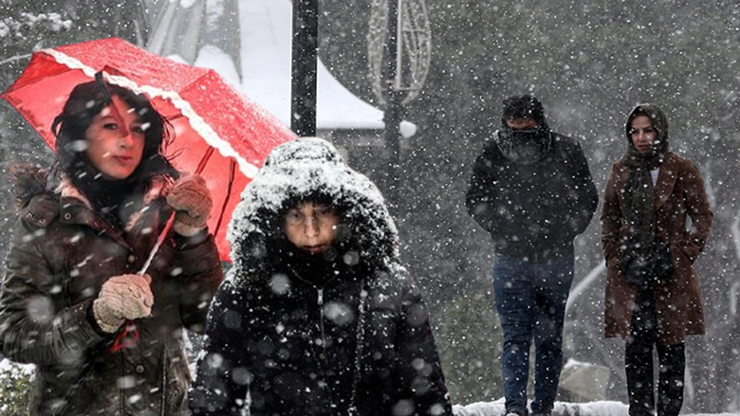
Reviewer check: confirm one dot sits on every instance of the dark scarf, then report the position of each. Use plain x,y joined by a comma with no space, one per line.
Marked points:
317,269
639,197
524,146
116,200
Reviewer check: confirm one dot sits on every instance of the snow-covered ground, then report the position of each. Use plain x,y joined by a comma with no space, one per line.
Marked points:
496,408
600,408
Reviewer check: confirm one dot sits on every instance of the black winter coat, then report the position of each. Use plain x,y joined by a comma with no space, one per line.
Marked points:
60,254
296,351
317,337
533,211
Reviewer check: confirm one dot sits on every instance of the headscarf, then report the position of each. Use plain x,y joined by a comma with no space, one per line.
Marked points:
639,198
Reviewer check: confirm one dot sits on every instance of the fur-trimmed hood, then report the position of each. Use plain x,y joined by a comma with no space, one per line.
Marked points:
29,181
32,181
305,168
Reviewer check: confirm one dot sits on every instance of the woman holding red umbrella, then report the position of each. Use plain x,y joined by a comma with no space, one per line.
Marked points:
105,336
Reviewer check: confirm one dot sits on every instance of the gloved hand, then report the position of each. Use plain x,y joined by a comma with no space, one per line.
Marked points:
123,297
191,199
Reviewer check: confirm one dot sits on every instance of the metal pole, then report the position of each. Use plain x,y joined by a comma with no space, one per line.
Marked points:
303,75
392,115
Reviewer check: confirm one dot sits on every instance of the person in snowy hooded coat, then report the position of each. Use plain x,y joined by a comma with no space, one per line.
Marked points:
104,339
317,316
653,300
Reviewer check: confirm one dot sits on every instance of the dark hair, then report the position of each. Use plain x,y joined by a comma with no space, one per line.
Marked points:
85,102
521,106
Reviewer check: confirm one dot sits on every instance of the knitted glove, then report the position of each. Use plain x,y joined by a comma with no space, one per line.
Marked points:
123,297
191,199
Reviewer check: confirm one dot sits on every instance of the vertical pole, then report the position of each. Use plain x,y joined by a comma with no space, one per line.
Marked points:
392,115
304,63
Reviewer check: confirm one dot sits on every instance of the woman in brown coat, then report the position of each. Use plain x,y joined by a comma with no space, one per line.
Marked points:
106,338
652,291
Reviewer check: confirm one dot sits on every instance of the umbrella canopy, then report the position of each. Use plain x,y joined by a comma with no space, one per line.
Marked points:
219,132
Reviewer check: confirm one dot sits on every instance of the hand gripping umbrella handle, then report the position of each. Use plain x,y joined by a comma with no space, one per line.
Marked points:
159,242
171,221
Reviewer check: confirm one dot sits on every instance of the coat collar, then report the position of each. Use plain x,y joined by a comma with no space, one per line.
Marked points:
77,209
667,178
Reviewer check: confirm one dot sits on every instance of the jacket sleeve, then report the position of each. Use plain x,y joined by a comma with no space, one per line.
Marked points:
200,265
611,221
220,385
586,195
33,327
483,195
697,207
422,383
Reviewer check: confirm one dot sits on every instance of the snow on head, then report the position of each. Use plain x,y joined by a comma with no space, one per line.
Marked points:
302,168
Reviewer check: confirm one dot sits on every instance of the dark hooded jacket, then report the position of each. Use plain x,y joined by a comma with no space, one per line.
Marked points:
677,195
60,254
305,336
533,209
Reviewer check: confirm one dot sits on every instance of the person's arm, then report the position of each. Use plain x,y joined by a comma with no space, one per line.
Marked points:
32,328
196,260
422,383
200,275
697,207
586,195
221,383
611,221
482,197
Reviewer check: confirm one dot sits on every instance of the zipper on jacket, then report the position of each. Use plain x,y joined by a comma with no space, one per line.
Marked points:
320,301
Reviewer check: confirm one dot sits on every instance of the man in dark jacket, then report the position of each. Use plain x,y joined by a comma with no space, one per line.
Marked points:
531,189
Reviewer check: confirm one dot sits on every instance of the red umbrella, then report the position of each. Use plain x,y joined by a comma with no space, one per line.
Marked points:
219,132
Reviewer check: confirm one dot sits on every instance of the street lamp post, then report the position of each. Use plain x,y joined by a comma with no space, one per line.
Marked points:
392,116
303,69
399,53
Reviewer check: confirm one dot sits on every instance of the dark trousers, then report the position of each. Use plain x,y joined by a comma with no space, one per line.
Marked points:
639,363
530,299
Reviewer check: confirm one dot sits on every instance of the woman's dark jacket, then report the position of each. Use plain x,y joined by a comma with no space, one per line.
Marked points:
285,327
60,254
535,210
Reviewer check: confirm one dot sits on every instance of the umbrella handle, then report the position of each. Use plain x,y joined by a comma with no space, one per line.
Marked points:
159,242
171,220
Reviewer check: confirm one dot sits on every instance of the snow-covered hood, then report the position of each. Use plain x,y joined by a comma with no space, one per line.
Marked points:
307,167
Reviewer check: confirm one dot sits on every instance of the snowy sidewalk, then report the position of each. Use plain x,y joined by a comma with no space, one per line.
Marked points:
600,408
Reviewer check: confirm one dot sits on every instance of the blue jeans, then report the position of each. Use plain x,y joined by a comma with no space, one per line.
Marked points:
530,298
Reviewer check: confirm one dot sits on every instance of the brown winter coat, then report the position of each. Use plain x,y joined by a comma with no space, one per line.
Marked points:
678,301
60,254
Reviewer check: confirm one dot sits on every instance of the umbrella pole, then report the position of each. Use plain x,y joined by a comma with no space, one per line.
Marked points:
160,240
171,220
